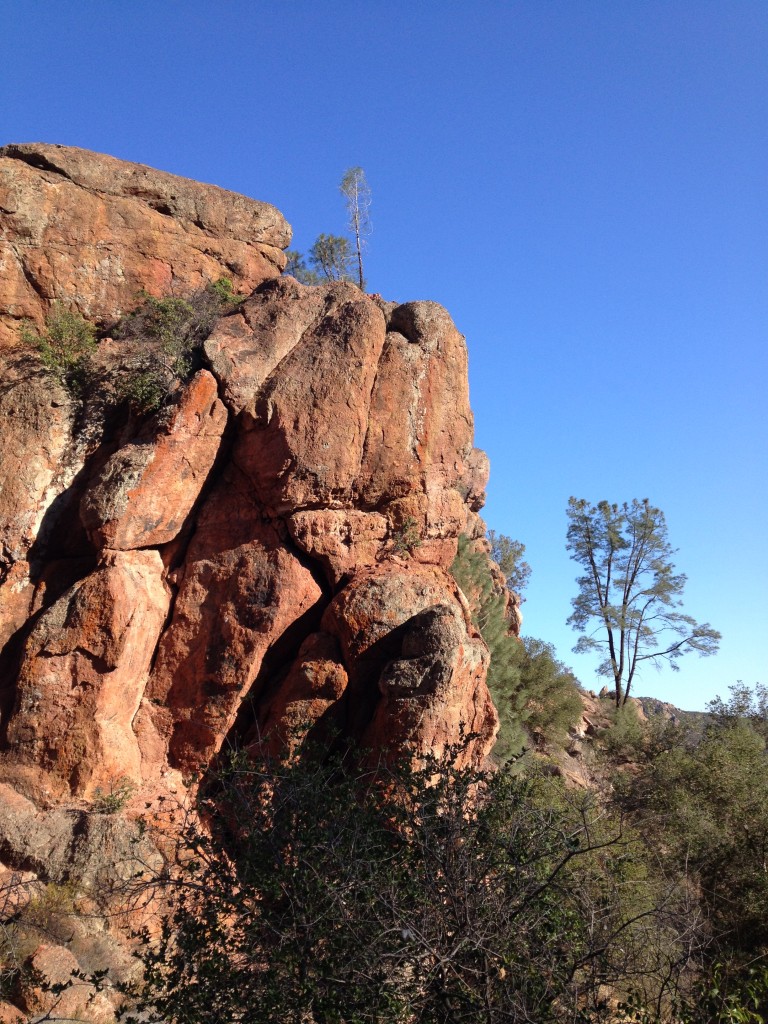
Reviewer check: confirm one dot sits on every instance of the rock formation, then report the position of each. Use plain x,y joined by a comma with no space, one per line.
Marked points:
95,231
264,558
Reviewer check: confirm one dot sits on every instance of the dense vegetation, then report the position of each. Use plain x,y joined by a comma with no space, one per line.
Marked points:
159,348
702,801
333,892
431,894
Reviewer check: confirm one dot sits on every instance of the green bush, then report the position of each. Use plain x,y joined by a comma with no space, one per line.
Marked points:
554,703
703,804
17,943
224,291
535,695
627,738
162,340
65,347
471,570
407,537
115,798
144,390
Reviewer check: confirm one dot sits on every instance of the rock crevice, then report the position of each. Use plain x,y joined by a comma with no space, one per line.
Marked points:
268,560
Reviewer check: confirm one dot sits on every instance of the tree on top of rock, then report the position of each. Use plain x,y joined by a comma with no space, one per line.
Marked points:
333,257
357,195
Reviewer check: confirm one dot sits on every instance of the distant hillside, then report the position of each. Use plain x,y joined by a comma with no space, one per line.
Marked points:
660,709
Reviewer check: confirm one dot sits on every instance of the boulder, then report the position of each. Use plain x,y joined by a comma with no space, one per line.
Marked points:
416,666
145,492
82,677
37,462
303,443
240,592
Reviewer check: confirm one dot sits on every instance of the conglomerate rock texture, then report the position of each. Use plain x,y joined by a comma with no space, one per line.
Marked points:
265,559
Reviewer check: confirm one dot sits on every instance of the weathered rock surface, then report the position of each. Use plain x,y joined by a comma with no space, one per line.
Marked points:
83,675
265,559
37,418
94,231
240,591
145,492
303,443
323,461
244,348
341,540
416,665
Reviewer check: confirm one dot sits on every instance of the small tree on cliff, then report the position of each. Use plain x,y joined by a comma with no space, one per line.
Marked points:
331,258
508,554
357,194
630,591
65,347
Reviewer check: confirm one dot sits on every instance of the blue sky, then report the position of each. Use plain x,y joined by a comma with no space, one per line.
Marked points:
581,183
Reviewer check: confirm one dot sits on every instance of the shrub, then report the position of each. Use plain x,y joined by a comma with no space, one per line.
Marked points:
703,803
554,703
472,572
114,799
51,911
223,289
65,347
16,943
532,691
627,737
162,342
407,537
328,892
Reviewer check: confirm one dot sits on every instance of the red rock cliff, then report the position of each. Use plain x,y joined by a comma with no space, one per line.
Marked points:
270,553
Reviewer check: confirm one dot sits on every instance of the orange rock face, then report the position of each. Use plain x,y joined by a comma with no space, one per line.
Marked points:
82,678
94,232
237,600
145,492
264,560
417,667
35,467
303,444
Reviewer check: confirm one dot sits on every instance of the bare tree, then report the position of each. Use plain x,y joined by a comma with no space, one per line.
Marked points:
357,194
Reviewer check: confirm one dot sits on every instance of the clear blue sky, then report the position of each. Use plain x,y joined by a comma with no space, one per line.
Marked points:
582,183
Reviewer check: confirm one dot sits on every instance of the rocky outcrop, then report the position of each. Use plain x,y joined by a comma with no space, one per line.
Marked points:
276,540
146,490
94,232
265,558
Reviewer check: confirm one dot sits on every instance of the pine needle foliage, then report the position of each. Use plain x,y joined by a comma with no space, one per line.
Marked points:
471,570
536,695
627,608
